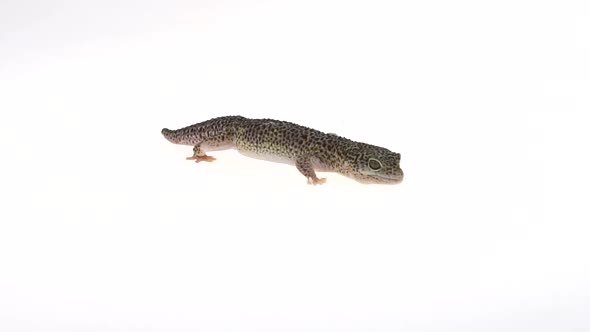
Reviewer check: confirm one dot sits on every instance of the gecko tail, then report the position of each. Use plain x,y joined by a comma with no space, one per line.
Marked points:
170,135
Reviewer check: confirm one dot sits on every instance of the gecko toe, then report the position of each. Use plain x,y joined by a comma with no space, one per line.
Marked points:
316,181
198,159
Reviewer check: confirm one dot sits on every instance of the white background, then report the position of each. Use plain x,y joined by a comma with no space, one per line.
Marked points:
105,227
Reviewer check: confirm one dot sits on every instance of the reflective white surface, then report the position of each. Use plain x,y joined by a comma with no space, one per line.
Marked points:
105,227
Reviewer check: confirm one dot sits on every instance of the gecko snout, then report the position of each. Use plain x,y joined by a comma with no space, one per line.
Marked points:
399,175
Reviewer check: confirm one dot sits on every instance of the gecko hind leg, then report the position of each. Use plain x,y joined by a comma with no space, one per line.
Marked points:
199,155
304,166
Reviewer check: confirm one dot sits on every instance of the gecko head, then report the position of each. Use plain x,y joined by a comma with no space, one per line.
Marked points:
378,165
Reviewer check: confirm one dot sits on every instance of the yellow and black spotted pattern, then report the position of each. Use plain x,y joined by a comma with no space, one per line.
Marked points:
309,149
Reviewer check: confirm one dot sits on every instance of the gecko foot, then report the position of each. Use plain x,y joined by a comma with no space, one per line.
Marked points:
201,158
316,181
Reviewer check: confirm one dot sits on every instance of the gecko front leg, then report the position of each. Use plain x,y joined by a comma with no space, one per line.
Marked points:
304,166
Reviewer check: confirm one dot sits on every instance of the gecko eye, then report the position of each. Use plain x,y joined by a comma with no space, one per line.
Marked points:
375,164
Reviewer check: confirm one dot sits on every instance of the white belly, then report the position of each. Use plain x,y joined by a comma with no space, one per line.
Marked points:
318,166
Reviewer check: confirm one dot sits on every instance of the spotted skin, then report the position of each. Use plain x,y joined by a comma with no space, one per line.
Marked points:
308,149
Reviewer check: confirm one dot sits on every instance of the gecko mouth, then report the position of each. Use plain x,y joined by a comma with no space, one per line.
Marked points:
395,178
379,179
